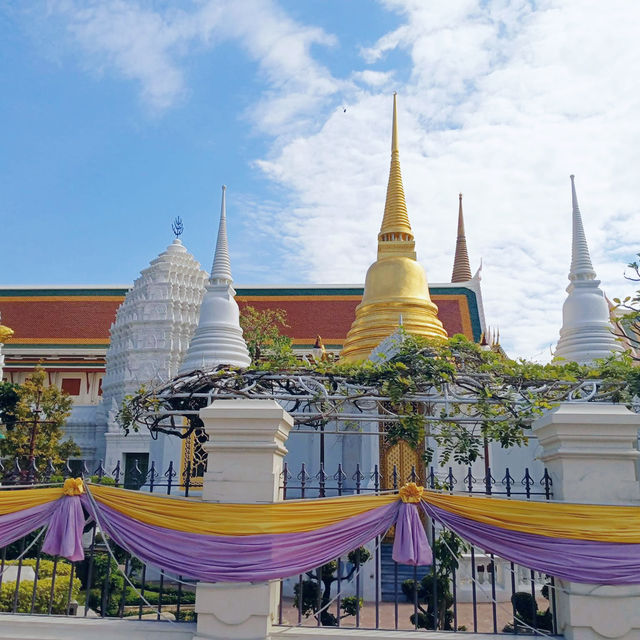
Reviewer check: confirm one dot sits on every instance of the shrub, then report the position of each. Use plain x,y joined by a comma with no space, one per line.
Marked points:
105,480
153,597
440,617
42,595
316,590
45,568
94,601
527,614
132,599
187,616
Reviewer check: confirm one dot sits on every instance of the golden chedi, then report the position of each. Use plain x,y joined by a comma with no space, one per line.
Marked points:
396,289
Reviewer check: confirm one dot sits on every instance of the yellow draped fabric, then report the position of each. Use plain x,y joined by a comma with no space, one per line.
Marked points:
21,499
553,519
212,518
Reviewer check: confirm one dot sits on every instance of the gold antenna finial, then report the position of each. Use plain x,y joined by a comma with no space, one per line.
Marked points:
394,126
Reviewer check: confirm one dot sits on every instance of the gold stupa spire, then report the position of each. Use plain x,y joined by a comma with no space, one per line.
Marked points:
396,284
395,228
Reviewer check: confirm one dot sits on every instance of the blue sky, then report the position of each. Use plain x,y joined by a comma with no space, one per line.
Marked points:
117,116
92,174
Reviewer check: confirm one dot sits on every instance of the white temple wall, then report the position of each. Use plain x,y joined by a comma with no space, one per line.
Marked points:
119,445
517,459
81,427
162,451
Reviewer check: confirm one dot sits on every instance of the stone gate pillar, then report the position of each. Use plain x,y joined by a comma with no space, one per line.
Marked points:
245,451
590,450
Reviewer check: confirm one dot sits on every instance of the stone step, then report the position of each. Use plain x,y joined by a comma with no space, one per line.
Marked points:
388,591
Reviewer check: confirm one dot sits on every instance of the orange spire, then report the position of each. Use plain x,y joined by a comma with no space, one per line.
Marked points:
461,266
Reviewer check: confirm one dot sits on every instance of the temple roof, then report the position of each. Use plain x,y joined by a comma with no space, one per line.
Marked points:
76,320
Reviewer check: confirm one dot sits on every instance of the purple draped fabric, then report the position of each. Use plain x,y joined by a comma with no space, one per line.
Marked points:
64,533
410,544
241,558
575,560
14,526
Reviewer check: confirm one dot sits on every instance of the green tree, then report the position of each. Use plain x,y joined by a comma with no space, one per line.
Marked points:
497,398
8,401
35,433
629,321
527,614
263,334
434,606
316,589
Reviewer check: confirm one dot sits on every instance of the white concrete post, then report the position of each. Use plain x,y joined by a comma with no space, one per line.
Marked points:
245,451
590,450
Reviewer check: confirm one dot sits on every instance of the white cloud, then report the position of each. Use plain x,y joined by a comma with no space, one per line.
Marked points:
148,43
136,41
503,102
373,78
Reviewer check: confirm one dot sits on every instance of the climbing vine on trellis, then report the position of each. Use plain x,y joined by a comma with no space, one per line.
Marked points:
455,391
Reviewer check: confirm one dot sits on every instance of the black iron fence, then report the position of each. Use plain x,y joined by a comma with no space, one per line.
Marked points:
138,475
109,582
305,484
33,583
464,590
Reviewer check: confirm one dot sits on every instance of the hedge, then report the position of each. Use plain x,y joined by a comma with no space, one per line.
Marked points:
45,568
43,595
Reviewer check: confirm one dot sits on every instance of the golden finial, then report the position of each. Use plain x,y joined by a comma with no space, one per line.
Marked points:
394,126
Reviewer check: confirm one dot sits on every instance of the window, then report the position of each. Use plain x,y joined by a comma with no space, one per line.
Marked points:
71,386
136,466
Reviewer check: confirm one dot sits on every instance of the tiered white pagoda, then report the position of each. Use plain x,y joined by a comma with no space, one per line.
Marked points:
149,338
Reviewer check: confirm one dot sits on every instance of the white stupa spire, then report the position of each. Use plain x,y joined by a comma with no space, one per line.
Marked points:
221,268
581,266
586,332
218,338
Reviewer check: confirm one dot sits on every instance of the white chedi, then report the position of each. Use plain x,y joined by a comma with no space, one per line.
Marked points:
218,339
587,332
153,326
